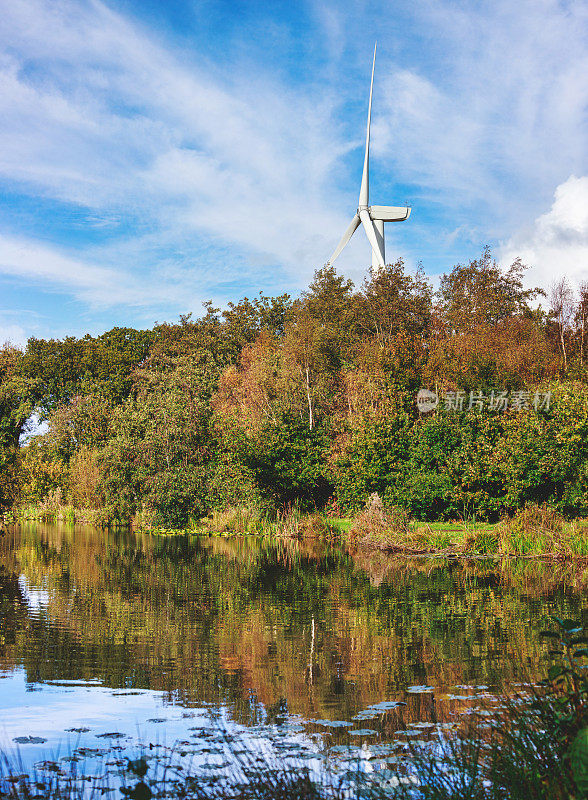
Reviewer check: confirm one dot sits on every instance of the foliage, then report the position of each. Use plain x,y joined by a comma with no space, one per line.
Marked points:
160,453
10,476
42,470
481,294
275,403
65,368
287,459
17,396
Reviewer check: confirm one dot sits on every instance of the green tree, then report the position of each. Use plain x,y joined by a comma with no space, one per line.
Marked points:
17,396
161,454
68,367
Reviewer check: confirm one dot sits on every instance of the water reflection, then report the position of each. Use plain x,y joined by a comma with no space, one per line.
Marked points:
267,631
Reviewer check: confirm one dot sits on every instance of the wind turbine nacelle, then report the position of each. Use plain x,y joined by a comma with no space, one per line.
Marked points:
389,213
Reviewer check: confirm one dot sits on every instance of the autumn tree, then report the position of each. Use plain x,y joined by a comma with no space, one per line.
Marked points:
480,294
393,302
486,331
581,320
562,309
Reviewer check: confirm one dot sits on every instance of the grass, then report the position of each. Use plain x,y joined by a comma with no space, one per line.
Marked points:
289,523
53,509
158,771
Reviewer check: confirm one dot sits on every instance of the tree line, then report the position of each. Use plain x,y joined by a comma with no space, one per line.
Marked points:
311,401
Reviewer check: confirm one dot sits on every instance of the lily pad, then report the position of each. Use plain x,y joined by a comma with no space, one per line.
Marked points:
345,749
386,705
363,732
332,723
49,766
29,740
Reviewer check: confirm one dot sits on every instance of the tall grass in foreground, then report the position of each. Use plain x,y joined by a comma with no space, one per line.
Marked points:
521,758
253,777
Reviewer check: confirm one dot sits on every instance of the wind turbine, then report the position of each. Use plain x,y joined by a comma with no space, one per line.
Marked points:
371,217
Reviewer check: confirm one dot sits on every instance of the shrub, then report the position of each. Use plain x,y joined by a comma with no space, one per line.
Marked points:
535,530
288,462
380,527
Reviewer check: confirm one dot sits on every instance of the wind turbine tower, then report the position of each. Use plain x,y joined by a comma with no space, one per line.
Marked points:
371,217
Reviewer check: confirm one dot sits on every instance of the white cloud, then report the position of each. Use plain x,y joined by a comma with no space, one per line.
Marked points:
556,245
12,333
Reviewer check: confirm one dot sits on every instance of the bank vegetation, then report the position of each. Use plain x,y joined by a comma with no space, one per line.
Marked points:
278,407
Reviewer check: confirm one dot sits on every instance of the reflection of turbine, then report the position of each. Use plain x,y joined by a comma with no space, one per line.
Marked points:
371,217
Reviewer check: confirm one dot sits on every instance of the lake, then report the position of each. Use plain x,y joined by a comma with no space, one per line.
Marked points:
285,648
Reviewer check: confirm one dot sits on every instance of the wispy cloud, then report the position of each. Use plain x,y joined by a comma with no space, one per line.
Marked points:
199,180
499,120
114,121
95,285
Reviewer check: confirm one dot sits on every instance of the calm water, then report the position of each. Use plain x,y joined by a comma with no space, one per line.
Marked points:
106,638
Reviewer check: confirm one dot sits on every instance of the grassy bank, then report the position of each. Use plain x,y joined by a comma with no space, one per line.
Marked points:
534,532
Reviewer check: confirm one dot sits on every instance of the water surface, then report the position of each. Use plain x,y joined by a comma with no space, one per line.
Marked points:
108,637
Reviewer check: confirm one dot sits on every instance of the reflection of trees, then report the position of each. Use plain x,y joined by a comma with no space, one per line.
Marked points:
237,619
13,610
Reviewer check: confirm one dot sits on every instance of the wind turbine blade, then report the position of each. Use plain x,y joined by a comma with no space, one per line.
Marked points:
364,192
345,238
371,235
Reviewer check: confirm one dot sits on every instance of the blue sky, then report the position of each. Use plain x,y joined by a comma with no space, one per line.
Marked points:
157,154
